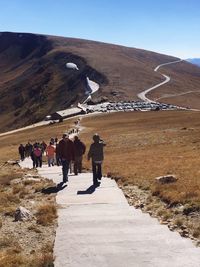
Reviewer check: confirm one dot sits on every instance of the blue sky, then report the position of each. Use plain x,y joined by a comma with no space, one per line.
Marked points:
166,26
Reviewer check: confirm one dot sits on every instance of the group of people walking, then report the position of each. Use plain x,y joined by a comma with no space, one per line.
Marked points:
66,152
71,151
35,151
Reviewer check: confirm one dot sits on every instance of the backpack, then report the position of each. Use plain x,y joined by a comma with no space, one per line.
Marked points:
37,152
80,148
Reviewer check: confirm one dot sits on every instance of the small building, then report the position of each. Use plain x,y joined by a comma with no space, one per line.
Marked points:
67,113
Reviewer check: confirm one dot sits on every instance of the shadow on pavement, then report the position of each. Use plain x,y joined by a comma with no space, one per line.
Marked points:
89,190
54,189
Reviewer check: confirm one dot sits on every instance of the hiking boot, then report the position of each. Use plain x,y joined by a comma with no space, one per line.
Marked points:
97,184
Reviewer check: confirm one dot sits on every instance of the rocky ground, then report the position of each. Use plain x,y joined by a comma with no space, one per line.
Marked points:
30,239
178,218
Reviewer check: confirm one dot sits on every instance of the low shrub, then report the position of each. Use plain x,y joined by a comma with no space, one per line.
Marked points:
46,214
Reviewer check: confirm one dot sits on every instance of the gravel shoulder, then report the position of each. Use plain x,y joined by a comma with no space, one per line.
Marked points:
30,241
178,218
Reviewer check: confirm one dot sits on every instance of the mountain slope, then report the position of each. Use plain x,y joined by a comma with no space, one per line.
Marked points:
184,87
195,61
34,80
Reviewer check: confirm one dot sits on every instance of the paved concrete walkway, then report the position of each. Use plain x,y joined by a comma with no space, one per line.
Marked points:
100,229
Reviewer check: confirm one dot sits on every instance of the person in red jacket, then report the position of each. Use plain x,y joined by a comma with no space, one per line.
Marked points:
50,152
66,153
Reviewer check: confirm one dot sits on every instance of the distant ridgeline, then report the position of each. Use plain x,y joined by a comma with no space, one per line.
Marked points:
195,61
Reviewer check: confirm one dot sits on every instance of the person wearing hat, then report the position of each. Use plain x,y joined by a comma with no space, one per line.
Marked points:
66,153
96,154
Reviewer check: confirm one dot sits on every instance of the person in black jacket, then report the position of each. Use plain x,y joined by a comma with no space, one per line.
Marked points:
97,156
21,150
79,150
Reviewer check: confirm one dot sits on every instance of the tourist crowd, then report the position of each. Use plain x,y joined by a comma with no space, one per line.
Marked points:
66,153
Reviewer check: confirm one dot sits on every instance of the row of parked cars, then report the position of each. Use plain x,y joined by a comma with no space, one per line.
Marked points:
130,106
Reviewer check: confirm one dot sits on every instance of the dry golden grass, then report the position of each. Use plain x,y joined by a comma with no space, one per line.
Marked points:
44,259
9,258
34,228
196,232
12,195
17,188
144,145
140,147
39,186
10,261
8,202
8,242
10,252
8,173
46,214
20,190
31,182
179,222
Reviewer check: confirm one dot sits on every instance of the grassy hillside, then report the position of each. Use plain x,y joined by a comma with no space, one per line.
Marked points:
34,80
140,147
145,145
184,87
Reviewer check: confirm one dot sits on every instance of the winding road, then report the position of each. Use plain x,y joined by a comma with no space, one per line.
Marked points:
142,95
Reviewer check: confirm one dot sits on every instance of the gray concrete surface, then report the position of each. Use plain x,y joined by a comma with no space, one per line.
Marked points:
100,229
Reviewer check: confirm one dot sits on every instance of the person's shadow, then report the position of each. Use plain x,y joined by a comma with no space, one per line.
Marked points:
54,189
88,191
